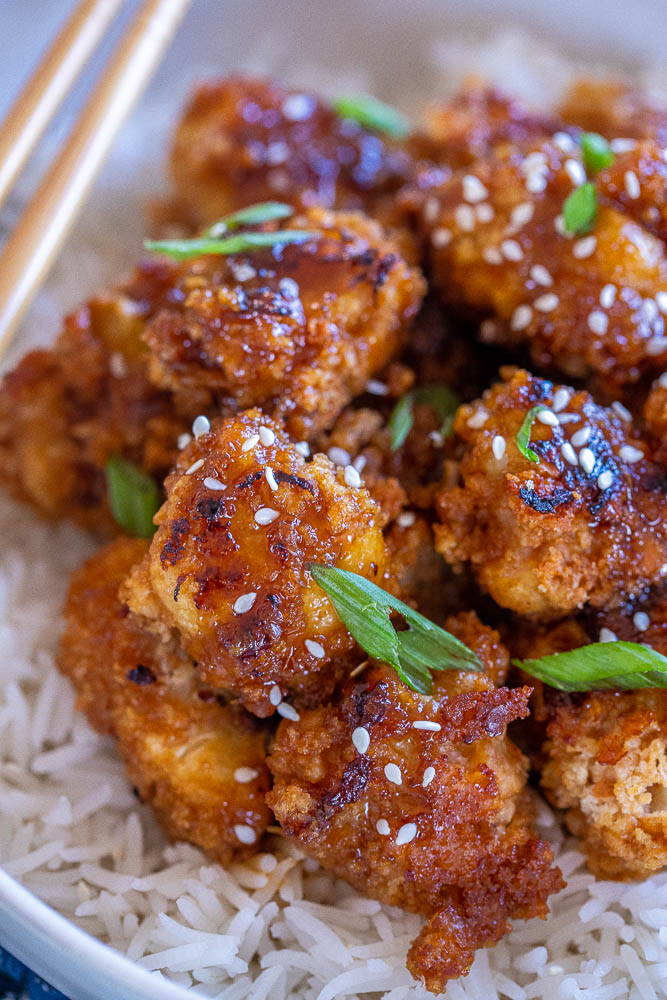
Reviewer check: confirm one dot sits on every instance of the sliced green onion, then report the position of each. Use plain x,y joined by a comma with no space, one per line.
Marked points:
623,666
253,215
133,496
523,437
238,243
595,152
580,209
372,114
363,607
439,397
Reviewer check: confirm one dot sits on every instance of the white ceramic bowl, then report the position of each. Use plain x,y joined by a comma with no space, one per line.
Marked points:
388,39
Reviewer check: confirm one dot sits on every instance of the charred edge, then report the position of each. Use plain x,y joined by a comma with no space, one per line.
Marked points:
179,583
249,480
141,675
208,508
289,477
545,505
352,784
173,548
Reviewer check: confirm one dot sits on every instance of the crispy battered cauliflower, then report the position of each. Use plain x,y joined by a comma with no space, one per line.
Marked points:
198,763
245,516
587,522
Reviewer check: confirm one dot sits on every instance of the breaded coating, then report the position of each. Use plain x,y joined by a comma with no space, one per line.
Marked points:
227,569
419,802
243,140
655,416
198,763
586,304
614,109
295,329
604,757
586,523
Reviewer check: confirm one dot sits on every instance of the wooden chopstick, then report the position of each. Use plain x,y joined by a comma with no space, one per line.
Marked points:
52,80
43,226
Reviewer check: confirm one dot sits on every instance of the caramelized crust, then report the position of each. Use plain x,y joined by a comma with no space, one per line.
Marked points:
434,820
243,140
585,523
182,748
655,416
228,568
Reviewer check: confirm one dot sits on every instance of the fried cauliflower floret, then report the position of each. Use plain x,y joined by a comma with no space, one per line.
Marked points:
295,329
434,819
614,109
243,140
585,523
587,304
228,566
198,763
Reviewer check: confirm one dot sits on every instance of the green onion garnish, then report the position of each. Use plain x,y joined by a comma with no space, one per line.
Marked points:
364,609
133,496
523,437
253,215
595,152
372,114
238,243
580,209
439,397
616,665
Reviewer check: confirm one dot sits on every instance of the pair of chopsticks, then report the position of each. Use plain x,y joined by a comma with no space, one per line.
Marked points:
37,237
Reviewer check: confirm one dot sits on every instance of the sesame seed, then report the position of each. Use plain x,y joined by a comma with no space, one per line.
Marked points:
567,418
245,834
522,214
406,520
608,296
623,145
534,161
650,310
382,828
559,226
473,189
270,478
289,288
194,467
243,272
315,649
266,436
393,774
560,400
568,453
621,410
376,388
440,237
429,775
250,443
547,417
265,515
243,775
431,210
276,152
641,620
587,460
492,255
484,212
465,218
498,447
564,142
606,635
359,463
598,322
632,188
431,727
244,602
605,479
361,739
487,331
183,441
656,345
339,456
303,448
275,695
214,484
352,477
117,365
521,317
630,454
536,182
288,712
662,381
511,250
581,436
541,276
406,834
478,418
297,107
575,172
661,301
584,247
546,303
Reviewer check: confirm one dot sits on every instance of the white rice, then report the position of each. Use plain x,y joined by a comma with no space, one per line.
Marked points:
279,926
